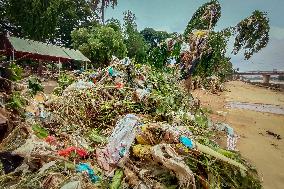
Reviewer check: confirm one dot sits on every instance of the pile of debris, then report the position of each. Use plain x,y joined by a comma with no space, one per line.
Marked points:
212,84
125,126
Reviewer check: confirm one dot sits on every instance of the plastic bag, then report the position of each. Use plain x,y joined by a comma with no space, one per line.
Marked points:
119,142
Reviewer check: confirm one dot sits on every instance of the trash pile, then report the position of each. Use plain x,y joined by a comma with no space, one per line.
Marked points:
125,126
191,51
211,84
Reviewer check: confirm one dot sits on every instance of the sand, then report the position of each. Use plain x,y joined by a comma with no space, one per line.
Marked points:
263,151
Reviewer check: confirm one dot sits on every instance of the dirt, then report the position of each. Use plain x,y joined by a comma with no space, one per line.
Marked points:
49,86
261,149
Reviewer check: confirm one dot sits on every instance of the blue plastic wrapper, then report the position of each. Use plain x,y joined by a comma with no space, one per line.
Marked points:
230,130
83,167
122,152
187,142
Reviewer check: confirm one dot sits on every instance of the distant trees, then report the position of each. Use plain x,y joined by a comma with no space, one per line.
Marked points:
54,20
100,6
114,24
99,43
153,37
51,20
135,43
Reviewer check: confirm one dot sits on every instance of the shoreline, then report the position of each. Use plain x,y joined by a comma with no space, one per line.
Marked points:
262,150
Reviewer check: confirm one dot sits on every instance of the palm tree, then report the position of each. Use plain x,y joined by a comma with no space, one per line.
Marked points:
100,6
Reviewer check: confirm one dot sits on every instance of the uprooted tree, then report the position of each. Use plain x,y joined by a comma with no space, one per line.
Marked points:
205,49
251,35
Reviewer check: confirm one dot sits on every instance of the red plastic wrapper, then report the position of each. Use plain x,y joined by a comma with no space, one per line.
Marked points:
79,151
119,85
51,140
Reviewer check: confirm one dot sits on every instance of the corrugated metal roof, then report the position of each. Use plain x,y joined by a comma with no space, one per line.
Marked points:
76,55
35,47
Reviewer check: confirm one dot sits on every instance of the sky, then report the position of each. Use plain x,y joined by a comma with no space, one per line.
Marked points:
173,16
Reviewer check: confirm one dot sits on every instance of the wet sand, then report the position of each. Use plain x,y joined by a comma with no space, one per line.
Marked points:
263,151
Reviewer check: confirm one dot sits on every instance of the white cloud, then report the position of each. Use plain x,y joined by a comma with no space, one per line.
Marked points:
276,32
269,58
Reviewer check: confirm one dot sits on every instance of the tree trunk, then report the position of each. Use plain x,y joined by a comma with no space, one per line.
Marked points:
103,12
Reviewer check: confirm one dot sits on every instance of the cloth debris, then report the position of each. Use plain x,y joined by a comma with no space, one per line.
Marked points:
232,142
225,127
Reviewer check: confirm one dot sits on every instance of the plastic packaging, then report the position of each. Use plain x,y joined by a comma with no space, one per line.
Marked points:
85,168
119,142
187,142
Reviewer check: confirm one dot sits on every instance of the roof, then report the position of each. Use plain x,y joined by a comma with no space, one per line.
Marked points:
44,50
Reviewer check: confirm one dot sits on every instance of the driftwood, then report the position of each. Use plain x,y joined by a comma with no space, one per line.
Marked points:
163,153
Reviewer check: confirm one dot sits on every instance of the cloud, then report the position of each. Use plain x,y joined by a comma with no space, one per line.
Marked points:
269,58
276,32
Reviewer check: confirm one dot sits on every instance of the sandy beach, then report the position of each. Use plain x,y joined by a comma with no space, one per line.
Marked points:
262,150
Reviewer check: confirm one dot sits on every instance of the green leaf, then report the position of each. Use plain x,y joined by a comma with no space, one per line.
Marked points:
39,131
117,178
96,137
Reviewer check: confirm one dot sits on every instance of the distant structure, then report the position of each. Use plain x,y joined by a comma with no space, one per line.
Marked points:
18,48
265,74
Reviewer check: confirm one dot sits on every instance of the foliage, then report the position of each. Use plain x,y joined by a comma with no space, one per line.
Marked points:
117,179
160,56
16,72
252,34
215,63
135,43
40,132
205,18
51,20
130,25
35,85
153,37
136,47
65,80
114,24
221,175
99,44
2,57
95,137
166,96
16,102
